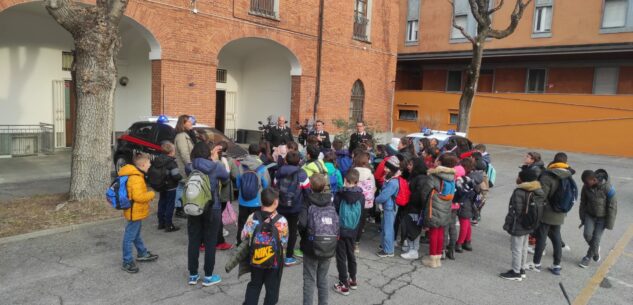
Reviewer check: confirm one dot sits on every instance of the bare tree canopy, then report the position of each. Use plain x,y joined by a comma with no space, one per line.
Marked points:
482,11
95,31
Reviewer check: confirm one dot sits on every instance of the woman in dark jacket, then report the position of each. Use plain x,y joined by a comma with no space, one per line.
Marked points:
420,190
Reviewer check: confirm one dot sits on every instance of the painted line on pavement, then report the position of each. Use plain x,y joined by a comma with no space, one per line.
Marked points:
629,254
592,285
52,231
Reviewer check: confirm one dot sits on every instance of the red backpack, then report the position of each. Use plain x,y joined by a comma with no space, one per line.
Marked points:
402,198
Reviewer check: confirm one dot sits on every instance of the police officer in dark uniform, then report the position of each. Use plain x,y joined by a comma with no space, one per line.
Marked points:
358,137
322,136
280,134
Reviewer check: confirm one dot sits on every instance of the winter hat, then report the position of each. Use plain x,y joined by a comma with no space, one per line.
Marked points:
393,163
527,175
394,144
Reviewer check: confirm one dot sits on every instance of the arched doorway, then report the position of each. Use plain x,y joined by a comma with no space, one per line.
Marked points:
37,55
357,102
254,81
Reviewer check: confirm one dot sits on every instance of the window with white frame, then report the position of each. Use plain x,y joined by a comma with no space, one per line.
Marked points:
543,16
413,20
614,14
536,81
462,21
605,80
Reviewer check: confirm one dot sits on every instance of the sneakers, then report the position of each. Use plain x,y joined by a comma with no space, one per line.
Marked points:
298,253
171,228
566,248
467,246
341,288
129,267
223,246
356,248
596,257
522,272
180,213
202,248
405,246
511,275
290,261
450,253
555,269
534,267
382,253
584,263
193,279
148,257
410,255
352,284
458,248
211,280
161,226
225,232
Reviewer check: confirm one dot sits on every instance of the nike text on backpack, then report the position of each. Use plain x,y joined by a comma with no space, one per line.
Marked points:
196,193
157,176
250,183
530,217
564,196
117,194
289,190
404,193
323,230
266,249
350,213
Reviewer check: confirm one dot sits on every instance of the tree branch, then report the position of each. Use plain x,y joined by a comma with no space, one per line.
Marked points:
461,29
474,8
519,8
67,13
496,8
116,8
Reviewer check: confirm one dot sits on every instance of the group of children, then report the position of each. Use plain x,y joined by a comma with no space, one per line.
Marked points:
326,198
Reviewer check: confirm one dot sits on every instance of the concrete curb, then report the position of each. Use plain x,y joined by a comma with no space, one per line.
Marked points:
52,231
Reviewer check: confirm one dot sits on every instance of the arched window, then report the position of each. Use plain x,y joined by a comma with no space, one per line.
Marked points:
357,102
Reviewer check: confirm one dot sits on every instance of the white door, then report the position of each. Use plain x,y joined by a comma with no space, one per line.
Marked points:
230,114
59,113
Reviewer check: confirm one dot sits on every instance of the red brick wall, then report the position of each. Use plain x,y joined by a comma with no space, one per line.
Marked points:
570,80
434,80
157,98
625,80
510,80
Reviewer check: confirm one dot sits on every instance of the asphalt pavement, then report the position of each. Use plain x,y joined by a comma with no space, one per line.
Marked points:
83,266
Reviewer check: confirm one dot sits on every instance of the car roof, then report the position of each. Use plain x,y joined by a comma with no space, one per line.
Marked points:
171,121
440,135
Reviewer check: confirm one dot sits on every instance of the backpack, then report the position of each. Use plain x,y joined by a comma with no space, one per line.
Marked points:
157,175
250,183
349,214
404,193
491,172
117,194
530,218
323,171
196,193
564,196
447,190
266,250
333,181
323,230
344,163
289,190
368,191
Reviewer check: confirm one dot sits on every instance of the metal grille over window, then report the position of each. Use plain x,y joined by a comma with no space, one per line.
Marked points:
361,22
357,101
67,61
408,115
220,76
264,8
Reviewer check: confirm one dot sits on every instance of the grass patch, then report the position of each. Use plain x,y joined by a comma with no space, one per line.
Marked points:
24,215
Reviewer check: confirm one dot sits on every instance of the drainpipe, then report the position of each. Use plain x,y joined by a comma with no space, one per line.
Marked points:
317,91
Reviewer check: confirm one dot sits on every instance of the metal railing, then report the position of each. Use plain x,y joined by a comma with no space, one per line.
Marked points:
264,8
27,140
360,27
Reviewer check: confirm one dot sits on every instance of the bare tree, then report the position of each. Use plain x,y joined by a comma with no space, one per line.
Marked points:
95,31
482,12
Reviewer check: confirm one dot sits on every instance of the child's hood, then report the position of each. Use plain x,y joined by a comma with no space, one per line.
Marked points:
130,170
444,173
530,186
204,165
352,194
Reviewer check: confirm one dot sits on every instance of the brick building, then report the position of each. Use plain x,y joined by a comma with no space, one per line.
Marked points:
565,58
228,62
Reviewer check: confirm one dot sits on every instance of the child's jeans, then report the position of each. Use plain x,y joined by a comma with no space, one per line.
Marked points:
270,278
594,227
345,259
166,203
519,245
388,219
315,274
131,236
179,190
465,231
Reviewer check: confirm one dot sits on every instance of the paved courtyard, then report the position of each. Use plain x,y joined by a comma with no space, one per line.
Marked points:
82,266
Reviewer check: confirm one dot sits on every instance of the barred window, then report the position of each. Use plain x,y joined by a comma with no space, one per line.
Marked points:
67,61
357,101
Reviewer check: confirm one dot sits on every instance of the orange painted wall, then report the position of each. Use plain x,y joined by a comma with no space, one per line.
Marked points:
510,79
434,80
570,80
625,81
566,122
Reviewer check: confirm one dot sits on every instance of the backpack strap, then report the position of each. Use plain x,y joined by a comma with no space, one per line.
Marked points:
319,166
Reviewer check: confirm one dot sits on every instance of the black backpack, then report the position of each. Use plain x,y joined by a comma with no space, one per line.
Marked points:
158,174
531,215
289,190
266,249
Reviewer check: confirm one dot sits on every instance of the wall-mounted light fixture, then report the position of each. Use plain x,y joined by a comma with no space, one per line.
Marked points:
123,81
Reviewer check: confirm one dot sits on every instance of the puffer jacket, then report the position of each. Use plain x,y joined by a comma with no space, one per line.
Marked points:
420,190
311,168
599,201
467,204
304,184
517,206
550,180
137,192
240,257
184,146
173,172
537,167
438,211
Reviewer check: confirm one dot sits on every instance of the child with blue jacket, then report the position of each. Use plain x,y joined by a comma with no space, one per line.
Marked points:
387,204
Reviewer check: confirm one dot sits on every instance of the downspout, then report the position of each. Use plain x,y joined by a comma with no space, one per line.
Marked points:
317,91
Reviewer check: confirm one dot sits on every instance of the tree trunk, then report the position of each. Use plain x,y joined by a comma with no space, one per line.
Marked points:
470,87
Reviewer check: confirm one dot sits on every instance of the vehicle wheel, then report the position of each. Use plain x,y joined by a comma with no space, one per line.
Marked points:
120,162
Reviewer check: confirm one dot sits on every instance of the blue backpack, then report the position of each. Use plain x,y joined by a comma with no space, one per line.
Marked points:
333,182
117,194
565,195
492,175
250,183
349,214
344,163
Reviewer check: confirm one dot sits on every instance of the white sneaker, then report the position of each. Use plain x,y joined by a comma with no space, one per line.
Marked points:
405,246
410,255
225,232
530,249
567,248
